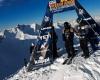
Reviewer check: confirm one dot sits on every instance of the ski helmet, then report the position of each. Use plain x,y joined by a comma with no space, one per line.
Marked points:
67,25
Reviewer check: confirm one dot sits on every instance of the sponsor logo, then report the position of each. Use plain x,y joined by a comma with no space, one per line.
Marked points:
62,4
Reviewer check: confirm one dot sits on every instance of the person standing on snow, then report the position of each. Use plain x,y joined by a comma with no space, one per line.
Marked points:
82,33
91,34
68,35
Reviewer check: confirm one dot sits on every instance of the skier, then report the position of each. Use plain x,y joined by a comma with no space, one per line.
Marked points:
53,45
91,36
68,35
82,33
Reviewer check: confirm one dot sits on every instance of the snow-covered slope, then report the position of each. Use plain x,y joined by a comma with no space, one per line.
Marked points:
80,69
14,47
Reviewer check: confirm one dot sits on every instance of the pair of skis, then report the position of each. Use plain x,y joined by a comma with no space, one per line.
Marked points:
68,61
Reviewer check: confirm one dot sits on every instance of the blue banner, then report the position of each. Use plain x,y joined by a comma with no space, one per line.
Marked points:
56,6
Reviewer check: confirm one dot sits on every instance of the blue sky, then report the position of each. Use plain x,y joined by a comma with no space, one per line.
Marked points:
13,12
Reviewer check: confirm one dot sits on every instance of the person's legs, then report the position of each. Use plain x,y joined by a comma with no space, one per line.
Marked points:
72,50
68,49
84,47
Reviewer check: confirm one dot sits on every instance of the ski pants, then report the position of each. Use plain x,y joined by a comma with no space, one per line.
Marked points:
84,46
69,48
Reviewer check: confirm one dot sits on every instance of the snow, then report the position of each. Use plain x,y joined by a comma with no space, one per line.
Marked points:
14,47
80,69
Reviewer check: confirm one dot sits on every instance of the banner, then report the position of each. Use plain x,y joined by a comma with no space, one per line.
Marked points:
61,5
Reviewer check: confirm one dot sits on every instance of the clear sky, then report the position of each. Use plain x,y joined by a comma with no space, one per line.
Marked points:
13,12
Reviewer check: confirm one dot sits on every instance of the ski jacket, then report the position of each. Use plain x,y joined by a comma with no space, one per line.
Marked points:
83,32
68,34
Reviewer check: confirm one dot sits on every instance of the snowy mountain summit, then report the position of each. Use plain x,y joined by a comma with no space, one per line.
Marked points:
14,48
80,69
